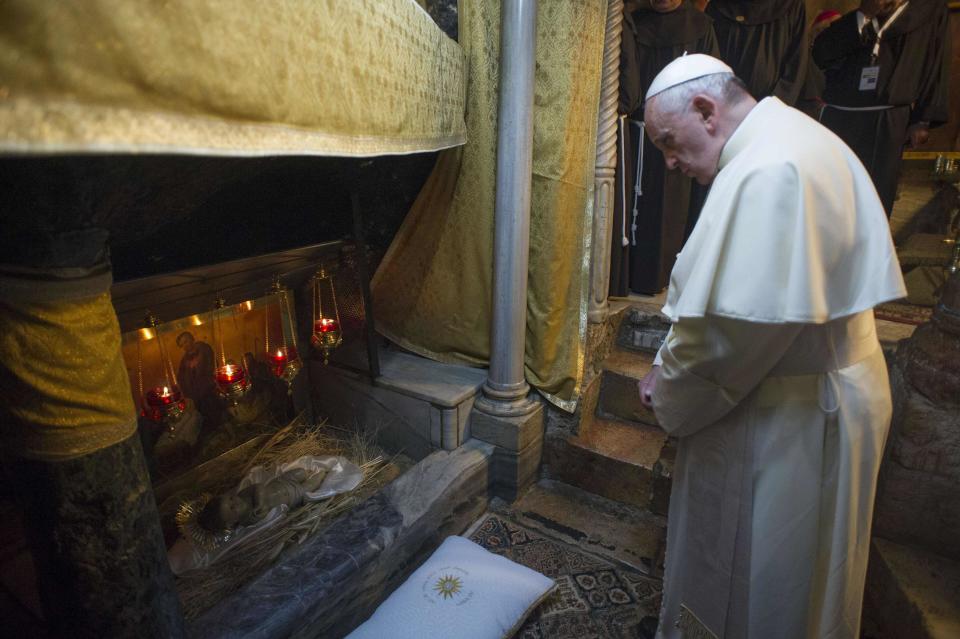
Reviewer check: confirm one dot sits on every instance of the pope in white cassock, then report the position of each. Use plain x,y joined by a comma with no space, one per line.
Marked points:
771,376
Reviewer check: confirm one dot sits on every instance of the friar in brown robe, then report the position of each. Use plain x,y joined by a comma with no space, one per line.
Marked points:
652,203
766,44
887,81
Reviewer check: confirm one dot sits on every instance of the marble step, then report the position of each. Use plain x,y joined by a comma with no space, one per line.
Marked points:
611,529
911,593
628,463
619,396
642,330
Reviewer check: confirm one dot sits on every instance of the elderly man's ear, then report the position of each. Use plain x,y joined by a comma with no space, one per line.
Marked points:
706,108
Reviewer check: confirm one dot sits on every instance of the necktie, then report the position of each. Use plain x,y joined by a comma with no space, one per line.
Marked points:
869,34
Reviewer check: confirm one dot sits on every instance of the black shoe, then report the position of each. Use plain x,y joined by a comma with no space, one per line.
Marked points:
648,627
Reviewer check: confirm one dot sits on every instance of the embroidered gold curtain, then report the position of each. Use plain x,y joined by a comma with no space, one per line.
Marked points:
433,288
211,77
227,77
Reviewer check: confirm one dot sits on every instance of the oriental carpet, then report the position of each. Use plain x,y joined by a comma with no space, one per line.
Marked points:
903,313
595,598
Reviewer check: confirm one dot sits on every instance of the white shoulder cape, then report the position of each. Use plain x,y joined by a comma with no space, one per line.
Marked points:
792,231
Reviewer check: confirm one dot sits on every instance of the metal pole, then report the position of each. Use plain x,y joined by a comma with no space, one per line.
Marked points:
505,391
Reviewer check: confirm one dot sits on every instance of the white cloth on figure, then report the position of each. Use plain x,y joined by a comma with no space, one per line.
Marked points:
773,379
342,476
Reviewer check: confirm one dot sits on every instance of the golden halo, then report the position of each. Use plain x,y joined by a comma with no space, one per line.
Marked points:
191,529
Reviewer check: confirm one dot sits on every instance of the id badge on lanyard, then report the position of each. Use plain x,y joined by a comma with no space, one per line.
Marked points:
870,74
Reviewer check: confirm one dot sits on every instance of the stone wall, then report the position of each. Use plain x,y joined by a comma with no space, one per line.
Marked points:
919,495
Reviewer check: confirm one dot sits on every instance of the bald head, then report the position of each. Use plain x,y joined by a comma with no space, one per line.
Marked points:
691,122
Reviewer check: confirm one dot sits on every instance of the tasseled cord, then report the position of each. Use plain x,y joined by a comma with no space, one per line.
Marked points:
623,183
637,189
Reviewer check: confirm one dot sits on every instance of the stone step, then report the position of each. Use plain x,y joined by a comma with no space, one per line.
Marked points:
613,530
642,330
558,419
911,593
619,395
628,463
639,336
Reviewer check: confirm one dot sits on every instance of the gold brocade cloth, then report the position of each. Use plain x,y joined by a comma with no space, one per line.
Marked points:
227,77
433,288
62,378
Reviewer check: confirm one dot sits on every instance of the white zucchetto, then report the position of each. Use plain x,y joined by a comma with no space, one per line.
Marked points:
684,69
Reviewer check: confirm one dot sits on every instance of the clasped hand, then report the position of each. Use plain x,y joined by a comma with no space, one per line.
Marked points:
647,386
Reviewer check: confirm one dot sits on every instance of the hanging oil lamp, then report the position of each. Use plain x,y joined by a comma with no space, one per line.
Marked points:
327,335
232,380
282,354
163,402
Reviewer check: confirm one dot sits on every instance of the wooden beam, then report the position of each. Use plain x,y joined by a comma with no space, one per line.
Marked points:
193,290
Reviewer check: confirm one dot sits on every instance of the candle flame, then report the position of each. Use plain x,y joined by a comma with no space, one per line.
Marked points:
196,321
146,333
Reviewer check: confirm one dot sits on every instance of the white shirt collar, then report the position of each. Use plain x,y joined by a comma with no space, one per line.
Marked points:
862,20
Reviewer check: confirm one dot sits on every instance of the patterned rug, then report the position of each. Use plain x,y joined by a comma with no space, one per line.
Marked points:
903,313
595,598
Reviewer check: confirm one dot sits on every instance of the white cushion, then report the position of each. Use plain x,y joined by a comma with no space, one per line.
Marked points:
461,591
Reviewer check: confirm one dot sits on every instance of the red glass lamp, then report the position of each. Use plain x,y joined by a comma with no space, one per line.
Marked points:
233,382
282,354
327,335
163,402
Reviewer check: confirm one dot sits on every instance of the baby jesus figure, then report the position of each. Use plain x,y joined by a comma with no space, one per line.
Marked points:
226,512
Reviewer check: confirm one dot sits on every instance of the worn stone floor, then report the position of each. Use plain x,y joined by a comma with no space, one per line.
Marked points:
911,593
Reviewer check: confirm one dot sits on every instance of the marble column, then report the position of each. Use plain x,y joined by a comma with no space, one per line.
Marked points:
606,165
506,414
918,496
70,444
96,542
505,393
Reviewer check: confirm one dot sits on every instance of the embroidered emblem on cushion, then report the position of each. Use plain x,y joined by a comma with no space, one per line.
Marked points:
691,627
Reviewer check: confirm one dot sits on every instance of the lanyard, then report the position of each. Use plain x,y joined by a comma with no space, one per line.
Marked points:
886,25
